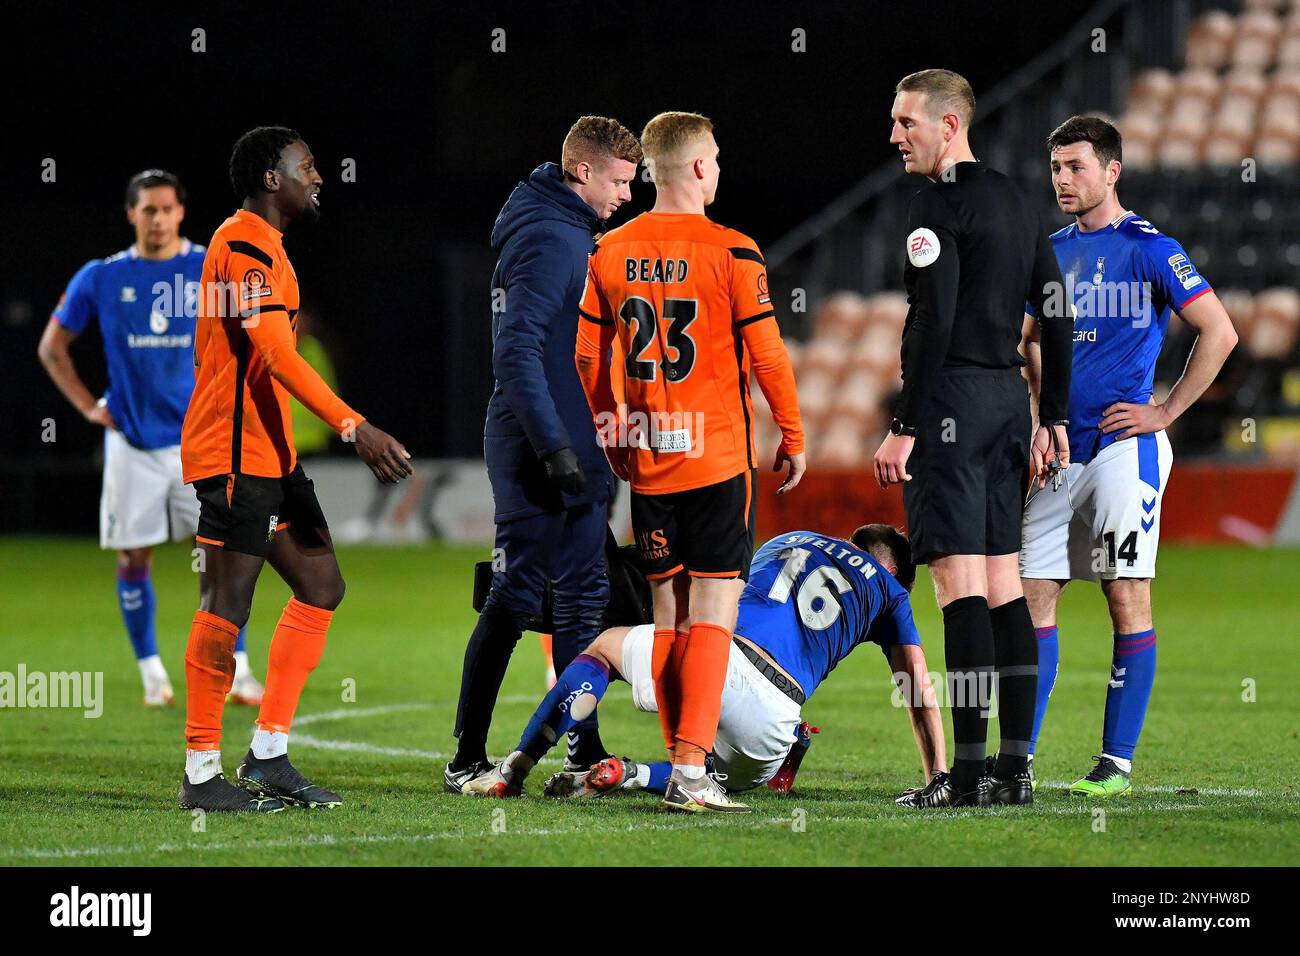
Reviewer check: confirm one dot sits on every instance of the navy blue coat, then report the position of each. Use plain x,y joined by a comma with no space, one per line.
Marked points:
542,238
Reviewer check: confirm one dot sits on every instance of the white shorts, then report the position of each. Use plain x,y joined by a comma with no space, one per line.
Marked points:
1103,522
757,725
144,501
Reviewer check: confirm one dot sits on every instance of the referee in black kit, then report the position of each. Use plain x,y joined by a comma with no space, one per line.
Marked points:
960,437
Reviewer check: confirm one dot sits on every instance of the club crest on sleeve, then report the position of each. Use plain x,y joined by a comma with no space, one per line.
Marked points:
922,247
254,284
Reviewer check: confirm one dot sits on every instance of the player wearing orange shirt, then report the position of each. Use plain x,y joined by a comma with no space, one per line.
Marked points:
255,502
688,301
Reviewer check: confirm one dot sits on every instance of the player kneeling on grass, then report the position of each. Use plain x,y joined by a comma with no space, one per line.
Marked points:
810,600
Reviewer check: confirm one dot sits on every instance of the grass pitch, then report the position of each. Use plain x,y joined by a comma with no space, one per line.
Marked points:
1215,779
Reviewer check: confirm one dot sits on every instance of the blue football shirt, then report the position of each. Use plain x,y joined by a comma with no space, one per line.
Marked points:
1123,280
812,599
145,309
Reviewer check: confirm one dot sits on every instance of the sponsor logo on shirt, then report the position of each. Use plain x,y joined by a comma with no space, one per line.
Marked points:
922,247
1184,271
254,285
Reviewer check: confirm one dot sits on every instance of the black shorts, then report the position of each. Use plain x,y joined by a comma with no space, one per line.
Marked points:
708,532
243,512
970,465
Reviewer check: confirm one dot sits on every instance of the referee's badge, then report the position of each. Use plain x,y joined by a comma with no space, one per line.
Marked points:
922,247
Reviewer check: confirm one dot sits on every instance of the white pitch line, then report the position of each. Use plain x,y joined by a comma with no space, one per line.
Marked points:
357,746
1186,791
581,827
347,713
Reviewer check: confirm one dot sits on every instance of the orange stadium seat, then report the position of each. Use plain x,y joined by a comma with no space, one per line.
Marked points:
1240,306
860,393
1224,149
1274,152
815,392
1273,332
840,317
1210,40
1140,155
827,355
1256,40
1272,6
1197,85
1242,89
1180,152
842,444
1151,91
1141,127
889,308
1285,83
878,351
1288,52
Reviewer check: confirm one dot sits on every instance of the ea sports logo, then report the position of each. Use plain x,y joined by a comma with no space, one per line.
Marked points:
922,247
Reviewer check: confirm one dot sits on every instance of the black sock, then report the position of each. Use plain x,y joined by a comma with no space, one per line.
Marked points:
585,745
1015,651
486,659
968,656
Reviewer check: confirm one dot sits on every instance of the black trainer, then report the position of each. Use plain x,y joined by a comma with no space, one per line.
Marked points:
939,792
453,781
219,795
981,796
1018,791
280,780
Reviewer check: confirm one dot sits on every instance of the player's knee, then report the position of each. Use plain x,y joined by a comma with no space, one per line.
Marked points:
1129,600
326,595
230,609
605,647
135,558
519,597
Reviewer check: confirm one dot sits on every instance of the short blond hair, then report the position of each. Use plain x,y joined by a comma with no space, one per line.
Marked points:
667,135
945,92
593,138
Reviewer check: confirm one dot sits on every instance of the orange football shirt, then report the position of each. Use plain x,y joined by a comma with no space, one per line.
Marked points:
688,302
246,361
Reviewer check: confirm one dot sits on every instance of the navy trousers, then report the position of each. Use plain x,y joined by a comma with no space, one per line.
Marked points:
565,547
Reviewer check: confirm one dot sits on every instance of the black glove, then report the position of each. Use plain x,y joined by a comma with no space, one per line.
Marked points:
565,472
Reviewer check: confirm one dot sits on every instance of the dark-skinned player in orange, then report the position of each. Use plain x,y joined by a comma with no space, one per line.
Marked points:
688,302
255,502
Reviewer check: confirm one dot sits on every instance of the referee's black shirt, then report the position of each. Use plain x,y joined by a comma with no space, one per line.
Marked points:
977,252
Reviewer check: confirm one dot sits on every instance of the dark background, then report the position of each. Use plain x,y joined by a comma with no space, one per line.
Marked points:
441,128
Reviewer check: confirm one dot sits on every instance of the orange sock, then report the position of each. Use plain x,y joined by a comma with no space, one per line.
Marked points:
209,672
703,677
546,642
296,649
663,668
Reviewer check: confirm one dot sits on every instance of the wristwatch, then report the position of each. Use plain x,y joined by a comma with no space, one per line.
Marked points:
896,427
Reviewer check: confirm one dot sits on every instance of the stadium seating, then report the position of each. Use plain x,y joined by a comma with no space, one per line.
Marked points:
1238,96
1188,135
849,370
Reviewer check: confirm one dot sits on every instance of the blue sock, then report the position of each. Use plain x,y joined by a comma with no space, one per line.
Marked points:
659,774
1049,656
135,598
239,641
554,717
1132,672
